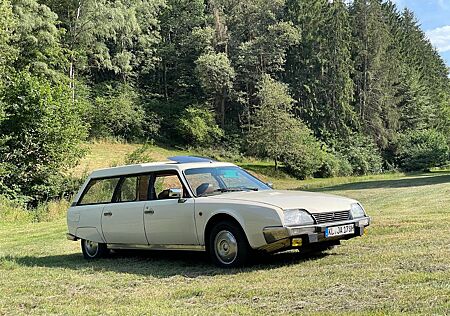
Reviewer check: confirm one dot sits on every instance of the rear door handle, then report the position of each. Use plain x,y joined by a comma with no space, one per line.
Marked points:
107,214
149,211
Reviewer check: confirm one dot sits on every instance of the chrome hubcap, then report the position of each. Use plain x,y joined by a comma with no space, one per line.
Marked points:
91,247
225,247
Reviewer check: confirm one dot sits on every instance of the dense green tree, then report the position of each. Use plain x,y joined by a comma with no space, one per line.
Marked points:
37,39
198,127
42,135
109,39
7,26
184,36
360,76
422,150
255,39
278,135
375,75
216,76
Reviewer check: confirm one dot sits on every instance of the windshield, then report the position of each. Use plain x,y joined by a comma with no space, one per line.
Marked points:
207,181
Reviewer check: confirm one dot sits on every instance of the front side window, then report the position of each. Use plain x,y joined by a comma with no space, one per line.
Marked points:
99,191
215,180
163,182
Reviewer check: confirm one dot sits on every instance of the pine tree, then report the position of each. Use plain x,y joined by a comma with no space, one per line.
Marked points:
376,74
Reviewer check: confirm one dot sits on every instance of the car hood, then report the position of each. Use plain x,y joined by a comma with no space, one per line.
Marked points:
310,201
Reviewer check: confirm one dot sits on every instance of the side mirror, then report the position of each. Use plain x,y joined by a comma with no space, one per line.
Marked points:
175,193
270,185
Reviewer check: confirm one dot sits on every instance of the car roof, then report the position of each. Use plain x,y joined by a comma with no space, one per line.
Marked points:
187,162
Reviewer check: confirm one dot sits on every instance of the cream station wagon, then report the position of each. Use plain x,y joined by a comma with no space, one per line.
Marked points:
192,203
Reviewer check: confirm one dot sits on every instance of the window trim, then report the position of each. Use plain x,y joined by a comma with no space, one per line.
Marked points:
152,176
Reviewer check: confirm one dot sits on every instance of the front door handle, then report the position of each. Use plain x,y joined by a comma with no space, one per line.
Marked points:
107,214
149,211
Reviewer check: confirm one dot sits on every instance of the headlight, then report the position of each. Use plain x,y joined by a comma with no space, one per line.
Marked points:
297,217
357,211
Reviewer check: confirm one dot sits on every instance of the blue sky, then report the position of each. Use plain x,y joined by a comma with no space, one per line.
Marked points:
434,17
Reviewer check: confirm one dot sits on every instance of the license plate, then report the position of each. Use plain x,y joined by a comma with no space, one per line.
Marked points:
339,230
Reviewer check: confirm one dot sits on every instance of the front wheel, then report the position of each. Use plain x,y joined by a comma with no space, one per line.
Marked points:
93,250
228,246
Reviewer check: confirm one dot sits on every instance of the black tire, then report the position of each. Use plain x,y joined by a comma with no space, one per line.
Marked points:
228,246
92,250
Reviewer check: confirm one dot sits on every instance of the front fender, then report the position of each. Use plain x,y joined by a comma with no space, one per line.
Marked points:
251,217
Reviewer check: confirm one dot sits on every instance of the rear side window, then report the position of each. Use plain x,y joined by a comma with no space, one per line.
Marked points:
128,190
133,188
99,191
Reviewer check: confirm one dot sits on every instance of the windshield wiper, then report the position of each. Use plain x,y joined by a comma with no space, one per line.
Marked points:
228,190
223,190
238,189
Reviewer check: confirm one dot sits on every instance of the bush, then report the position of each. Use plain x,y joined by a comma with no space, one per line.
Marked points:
198,127
334,165
304,156
40,137
118,112
422,150
362,153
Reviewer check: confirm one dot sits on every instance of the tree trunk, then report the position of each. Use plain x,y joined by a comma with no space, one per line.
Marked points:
166,93
72,57
222,108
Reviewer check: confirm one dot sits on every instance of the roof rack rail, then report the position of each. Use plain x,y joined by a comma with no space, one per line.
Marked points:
189,159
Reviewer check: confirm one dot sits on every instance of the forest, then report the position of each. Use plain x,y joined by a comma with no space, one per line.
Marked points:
322,88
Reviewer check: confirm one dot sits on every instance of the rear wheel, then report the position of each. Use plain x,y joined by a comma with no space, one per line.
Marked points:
228,246
93,250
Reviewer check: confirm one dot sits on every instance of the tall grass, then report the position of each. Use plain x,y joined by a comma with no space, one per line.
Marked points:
12,211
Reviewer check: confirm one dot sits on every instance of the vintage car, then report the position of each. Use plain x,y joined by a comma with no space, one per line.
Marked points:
193,203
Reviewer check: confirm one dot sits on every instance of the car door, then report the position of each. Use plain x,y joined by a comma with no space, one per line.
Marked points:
122,220
167,220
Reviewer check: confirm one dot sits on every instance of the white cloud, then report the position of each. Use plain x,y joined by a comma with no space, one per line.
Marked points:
440,38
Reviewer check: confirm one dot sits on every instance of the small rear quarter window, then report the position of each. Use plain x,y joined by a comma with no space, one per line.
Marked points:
99,191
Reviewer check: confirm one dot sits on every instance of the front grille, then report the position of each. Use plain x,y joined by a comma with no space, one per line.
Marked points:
331,217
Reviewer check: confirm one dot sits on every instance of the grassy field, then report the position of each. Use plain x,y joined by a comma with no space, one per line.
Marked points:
401,266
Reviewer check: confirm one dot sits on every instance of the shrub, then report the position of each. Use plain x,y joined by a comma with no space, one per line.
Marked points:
304,158
40,137
118,112
334,165
303,155
422,150
362,154
198,127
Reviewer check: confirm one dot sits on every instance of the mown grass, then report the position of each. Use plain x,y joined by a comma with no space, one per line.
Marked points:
402,266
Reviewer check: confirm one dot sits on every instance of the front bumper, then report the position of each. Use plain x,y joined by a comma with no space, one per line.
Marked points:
285,237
